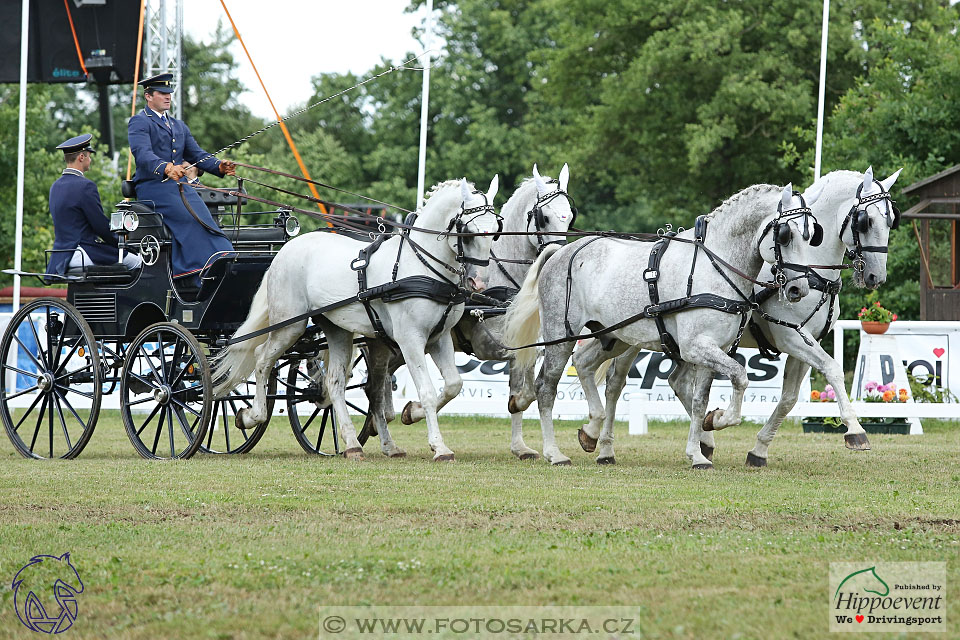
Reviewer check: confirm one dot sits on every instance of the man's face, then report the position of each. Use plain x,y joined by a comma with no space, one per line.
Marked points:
158,101
85,159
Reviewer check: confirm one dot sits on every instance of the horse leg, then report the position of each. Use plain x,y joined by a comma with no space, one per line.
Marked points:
413,411
699,396
616,380
793,373
413,349
267,354
682,380
339,355
587,360
379,394
704,352
521,379
554,362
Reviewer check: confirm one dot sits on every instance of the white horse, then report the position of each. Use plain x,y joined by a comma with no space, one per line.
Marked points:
539,204
317,270
597,283
834,200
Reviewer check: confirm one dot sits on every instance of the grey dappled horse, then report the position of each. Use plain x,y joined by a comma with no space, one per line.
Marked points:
834,199
605,288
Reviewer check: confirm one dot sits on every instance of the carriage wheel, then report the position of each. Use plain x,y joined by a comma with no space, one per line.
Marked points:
166,396
223,436
51,384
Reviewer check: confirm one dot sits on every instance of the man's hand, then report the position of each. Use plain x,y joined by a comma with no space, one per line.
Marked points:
228,168
173,171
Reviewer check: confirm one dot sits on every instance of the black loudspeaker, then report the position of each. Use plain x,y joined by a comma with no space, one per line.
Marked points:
106,32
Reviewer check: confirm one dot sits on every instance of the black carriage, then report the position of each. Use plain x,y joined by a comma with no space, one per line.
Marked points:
151,339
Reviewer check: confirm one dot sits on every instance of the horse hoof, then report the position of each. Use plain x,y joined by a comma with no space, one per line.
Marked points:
398,454
706,451
238,419
755,461
610,460
707,466
587,443
530,456
405,415
709,418
367,431
446,457
353,453
857,441
562,463
512,405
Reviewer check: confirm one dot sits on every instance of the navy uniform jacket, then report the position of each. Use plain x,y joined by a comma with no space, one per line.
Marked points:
153,145
78,221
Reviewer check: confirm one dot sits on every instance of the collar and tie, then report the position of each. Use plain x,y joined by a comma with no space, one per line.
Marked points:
163,119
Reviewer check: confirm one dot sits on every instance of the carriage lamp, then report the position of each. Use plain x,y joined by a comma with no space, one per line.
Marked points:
126,221
292,226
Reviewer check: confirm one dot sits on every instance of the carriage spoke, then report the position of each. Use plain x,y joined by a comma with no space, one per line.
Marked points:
323,427
196,386
149,418
213,423
141,401
50,424
26,373
187,431
63,423
74,372
185,406
156,375
173,451
20,393
356,408
55,356
143,380
76,391
72,410
226,427
73,350
186,365
29,353
36,431
177,354
36,336
27,412
308,423
156,437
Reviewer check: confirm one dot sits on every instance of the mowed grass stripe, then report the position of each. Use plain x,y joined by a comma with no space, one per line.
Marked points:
247,547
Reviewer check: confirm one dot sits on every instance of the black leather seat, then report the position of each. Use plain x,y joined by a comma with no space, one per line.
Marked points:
106,273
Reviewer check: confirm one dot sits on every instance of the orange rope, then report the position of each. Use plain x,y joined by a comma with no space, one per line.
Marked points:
136,75
75,41
286,133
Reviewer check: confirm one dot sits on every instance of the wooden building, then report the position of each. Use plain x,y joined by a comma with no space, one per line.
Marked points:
935,221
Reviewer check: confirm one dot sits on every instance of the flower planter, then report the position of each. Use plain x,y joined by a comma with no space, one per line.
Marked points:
875,328
870,425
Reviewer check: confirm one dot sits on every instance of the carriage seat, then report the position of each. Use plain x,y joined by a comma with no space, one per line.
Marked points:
255,235
105,273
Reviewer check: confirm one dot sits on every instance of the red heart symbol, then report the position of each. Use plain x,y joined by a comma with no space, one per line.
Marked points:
939,352
859,618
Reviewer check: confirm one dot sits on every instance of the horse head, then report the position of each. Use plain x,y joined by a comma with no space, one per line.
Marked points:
43,581
866,227
476,215
789,240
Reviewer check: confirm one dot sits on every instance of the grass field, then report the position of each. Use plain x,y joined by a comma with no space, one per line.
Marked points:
249,547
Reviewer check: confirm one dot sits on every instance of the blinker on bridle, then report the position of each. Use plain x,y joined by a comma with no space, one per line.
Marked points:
859,221
540,220
458,223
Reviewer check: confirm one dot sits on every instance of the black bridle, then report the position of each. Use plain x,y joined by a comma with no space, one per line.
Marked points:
539,219
460,225
859,221
782,235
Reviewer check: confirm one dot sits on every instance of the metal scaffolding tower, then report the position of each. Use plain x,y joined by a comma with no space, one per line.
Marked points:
163,23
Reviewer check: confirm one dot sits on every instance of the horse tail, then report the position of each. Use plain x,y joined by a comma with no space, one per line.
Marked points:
600,377
235,363
522,320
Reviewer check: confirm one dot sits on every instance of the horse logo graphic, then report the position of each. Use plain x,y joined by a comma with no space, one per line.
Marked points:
867,578
45,593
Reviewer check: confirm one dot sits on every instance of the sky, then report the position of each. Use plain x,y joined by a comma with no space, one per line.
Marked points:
292,40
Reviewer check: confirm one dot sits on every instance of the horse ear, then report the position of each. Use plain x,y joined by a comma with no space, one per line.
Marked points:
786,196
465,189
813,193
66,556
889,181
541,185
564,177
494,187
867,179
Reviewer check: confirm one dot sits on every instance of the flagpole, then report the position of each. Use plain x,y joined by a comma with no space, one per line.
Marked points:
424,102
823,82
21,147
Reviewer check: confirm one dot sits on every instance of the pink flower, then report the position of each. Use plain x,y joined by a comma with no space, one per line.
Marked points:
871,386
894,316
831,394
828,388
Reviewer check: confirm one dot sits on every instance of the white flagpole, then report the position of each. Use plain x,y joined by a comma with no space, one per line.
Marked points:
823,85
424,103
21,146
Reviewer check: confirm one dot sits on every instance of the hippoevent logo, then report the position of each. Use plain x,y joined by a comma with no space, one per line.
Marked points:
888,596
45,593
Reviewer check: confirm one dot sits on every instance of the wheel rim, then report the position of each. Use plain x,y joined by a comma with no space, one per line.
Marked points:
166,402
49,380
223,436
317,422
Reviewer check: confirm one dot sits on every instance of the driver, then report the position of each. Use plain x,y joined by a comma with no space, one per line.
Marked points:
82,235
162,146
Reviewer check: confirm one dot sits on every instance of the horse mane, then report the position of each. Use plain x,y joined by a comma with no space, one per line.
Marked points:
727,204
435,202
512,206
